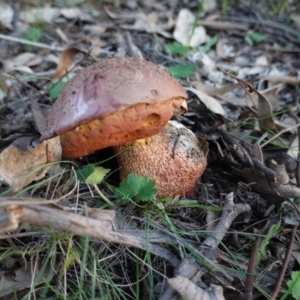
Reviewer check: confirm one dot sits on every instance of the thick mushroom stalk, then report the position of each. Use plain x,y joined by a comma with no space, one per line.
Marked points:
174,158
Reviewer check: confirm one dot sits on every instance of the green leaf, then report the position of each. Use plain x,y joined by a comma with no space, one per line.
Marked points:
274,229
248,40
33,34
209,44
252,37
181,71
91,174
176,48
294,284
139,187
55,89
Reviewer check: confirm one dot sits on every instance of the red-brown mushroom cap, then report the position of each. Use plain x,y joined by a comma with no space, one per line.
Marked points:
113,101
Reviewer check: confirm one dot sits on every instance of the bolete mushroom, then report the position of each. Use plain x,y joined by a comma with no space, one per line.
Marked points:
116,101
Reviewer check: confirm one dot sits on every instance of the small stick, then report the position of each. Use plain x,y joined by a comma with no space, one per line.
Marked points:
275,292
34,44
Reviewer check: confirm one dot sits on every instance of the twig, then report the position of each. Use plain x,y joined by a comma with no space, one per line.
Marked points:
99,227
188,268
21,235
279,134
34,44
275,292
297,119
230,212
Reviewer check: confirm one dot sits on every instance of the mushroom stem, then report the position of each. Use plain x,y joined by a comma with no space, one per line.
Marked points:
174,158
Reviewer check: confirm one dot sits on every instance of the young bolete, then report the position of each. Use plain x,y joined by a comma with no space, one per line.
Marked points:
113,102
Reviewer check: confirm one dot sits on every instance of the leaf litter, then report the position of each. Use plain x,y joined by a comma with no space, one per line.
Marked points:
240,67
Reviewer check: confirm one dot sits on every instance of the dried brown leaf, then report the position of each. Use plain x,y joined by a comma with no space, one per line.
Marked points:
211,103
66,60
292,80
4,89
19,168
260,184
39,118
23,60
20,279
214,91
264,112
256,150
190,291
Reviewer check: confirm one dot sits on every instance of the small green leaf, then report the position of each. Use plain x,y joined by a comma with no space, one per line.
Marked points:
274,229
55,89
33,34
294,284
176,48
252,37
257,37
209,44
248,40
181,71
91,174
139,187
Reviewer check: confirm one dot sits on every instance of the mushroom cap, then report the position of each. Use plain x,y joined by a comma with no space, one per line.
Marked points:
92,98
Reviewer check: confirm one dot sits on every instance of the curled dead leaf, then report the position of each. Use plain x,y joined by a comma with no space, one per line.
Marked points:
66,60
277,192
211,103
190,291
264,112
4,88
19,168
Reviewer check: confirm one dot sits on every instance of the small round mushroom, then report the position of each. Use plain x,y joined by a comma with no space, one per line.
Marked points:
174,158
127,103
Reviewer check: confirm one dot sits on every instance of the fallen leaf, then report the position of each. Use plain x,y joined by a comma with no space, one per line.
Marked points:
206,67
188,290
66,61
148,23
4,89
22,62
294,148
258,181
76,13
256,151
6,15
224,49
211,103
292,80
209,5
42,14
39,118
264,112
14,282
215,91
186,32
62,36
19,168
